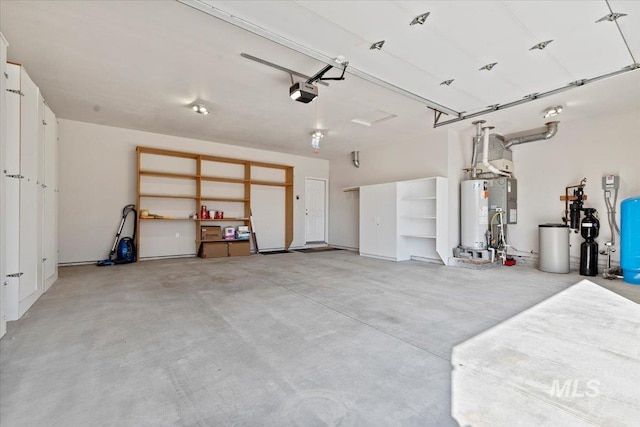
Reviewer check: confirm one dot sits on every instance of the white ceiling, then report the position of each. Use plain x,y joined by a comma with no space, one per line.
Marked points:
140,64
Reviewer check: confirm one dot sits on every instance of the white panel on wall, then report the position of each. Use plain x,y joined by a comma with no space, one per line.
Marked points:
155,185
267,204
267,174
167,238
220,169
219,190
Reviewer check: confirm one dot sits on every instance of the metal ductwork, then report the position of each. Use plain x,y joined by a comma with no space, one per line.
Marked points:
356,158
552,129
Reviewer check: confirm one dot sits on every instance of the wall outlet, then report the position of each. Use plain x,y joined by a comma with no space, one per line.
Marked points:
177,235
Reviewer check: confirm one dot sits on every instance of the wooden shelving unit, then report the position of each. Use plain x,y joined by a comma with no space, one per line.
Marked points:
196,163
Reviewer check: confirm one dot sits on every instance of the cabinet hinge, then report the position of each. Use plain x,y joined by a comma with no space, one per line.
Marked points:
44,123
44,259
6,75
44,186
16,91
15,176
15,275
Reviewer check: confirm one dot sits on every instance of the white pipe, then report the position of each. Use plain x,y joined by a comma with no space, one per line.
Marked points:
485,154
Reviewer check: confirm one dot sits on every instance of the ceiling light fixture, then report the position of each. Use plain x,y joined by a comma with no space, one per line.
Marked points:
306,92
377,45
316,136
552,111
200,109
420,19
612,17
447,82
540,45
488,67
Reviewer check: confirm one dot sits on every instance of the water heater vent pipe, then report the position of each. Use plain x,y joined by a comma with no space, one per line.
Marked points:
485,154
550,132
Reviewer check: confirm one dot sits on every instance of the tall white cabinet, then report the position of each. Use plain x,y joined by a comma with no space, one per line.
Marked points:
3,185
405,220
29,201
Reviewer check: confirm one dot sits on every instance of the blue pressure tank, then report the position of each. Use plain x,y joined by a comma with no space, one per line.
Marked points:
630,240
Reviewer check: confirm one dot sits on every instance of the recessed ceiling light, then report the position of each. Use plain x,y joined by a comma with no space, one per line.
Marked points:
552,111
447,82
613,16
377,45
200,109
420,19
540,45
488,67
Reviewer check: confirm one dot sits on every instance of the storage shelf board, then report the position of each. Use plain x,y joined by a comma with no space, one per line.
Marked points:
167,219
167,196
168,175
223,199
222,179
271,183
226,219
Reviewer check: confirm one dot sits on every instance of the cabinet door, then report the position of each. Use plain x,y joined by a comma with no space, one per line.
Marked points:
30,288
387,221
368,227
3,133
11,215
50,244
378,220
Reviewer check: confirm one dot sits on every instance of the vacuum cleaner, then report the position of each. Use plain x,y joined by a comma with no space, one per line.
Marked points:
123,250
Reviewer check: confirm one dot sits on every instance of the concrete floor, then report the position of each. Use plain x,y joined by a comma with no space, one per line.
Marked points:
292,339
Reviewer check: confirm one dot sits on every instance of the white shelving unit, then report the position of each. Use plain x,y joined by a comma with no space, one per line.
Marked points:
405,220
422,224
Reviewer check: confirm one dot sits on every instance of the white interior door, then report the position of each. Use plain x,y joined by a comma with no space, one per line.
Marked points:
315,210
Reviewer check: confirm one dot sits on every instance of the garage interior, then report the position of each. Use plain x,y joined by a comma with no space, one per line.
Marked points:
325,213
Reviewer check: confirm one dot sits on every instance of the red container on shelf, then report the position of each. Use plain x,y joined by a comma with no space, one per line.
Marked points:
219,215
204,214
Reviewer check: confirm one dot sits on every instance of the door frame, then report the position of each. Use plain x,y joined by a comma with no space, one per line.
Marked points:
326,207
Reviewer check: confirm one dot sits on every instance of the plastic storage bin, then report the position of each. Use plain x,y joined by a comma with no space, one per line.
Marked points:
554,248
630,240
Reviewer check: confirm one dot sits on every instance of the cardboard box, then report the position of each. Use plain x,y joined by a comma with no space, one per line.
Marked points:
210,232
239,248
214,250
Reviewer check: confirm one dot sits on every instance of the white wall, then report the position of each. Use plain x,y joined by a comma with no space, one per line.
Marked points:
396,162
589,147
98,178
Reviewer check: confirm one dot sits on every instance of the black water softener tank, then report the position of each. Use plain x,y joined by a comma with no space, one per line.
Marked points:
589,228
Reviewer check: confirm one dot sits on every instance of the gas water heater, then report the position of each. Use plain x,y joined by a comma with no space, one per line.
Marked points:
474,206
